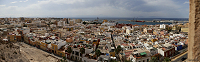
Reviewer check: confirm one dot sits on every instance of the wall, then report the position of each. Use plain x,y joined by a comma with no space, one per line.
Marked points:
12,38
194,28
184,29
161,51
143,58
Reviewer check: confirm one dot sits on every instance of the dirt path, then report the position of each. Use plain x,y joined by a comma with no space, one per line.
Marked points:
34,54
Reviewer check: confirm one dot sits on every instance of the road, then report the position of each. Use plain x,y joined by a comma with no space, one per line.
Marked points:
178,58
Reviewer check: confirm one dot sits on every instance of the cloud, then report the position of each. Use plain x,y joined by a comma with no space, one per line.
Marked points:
14,2
2,5
25,1
99,8
20,1
186,2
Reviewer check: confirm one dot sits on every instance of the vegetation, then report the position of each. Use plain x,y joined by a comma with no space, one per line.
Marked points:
95,23
69,49
167,59
178,28
85,23
186,34
169,29
24,25
118,49
127,61
63,60
98,53
153,59
113,60
82,50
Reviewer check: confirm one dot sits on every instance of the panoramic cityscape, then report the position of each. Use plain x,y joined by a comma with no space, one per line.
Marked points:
98,31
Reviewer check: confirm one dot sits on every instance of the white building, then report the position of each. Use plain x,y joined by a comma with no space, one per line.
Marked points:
61,23
26,30
163,26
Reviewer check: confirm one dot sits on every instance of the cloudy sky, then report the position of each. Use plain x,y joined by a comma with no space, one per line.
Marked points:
95,8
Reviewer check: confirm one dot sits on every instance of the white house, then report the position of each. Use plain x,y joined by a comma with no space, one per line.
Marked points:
26,30
163,26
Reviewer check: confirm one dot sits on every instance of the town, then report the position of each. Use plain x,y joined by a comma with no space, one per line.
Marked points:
98,40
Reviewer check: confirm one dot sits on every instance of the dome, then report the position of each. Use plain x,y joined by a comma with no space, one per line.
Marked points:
69,40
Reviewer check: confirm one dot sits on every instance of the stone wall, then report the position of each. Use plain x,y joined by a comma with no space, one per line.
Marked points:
194,31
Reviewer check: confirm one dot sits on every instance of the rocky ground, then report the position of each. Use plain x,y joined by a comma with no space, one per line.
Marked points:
11,53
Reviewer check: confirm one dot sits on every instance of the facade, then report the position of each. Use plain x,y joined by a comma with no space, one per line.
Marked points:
167,51
12,38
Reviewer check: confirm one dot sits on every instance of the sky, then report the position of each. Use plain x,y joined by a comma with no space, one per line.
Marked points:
95,8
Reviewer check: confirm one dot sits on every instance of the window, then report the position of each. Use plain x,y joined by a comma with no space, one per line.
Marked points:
77,53
52,47
143,60
15,38
61,54
147,60
138,61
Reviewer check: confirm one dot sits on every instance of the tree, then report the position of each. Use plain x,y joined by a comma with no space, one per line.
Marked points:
127,61
69,49
98,53
84,22
25,25
167,59
82,50
118,49
169,29
153,59
64,59
112,60
178,28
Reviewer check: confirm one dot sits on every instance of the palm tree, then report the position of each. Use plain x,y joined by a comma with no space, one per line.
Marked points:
98,53
69,49
82,50
118,49
153,59
167,59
